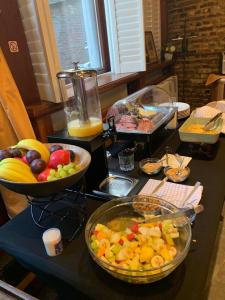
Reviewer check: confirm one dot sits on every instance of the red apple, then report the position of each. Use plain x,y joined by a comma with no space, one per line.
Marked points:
44,175
59,157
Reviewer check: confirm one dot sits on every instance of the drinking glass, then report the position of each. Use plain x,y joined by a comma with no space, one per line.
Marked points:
126,160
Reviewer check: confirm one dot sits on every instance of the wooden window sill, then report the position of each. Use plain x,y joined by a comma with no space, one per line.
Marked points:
106,82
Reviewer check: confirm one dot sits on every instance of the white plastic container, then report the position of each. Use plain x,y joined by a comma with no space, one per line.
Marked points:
209,137
52,240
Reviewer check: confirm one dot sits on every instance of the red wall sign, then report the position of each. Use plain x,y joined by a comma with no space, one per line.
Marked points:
13,46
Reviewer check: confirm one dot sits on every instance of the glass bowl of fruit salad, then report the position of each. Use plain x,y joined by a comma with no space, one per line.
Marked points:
36,169
123,238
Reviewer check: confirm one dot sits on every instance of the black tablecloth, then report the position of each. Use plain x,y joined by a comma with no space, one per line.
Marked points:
74,269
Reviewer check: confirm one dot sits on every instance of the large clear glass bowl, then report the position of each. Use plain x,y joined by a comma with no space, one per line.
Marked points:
127,207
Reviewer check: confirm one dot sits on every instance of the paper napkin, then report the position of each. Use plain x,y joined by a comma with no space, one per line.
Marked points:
172,161
173,192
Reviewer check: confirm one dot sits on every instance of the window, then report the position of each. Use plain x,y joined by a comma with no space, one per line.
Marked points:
75,26
50,27
60,32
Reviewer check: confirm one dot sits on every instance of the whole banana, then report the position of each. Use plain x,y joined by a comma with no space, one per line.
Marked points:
13,161
31,144
14,170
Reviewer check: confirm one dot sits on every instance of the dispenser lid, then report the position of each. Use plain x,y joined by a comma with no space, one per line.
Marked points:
76,74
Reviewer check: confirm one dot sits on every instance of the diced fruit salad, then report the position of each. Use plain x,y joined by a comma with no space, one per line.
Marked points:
133,244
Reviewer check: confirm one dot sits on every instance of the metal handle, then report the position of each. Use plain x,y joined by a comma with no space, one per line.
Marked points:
214,118
197,184
159,185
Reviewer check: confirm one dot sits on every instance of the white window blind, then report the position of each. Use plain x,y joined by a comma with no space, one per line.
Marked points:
152,21
42,46
125,28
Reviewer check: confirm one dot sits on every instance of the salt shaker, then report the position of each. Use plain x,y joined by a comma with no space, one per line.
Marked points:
52,240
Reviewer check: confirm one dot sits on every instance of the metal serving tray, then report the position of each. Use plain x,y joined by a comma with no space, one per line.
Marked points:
168,113
116,185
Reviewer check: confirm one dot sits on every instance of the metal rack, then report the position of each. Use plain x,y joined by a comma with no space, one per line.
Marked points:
65,210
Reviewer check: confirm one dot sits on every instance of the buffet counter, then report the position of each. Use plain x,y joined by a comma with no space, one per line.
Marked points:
75,275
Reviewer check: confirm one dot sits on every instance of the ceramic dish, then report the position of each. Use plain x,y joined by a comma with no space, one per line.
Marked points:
150,166
191,131
177,174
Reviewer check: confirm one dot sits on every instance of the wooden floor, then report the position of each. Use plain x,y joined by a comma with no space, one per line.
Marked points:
217,287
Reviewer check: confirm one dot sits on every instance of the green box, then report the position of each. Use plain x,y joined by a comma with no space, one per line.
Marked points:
209,138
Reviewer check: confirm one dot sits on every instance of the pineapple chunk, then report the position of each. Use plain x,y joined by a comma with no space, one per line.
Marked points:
134,263
116,248
168,239
165,253
115,237
101,227
146,254
157,243
108,254
124,254
133,245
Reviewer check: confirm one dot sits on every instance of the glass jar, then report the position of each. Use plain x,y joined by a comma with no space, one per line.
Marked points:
79,92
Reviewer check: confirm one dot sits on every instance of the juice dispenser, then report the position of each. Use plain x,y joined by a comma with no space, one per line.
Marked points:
79,92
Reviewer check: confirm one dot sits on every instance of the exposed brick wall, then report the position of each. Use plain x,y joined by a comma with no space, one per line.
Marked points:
206,19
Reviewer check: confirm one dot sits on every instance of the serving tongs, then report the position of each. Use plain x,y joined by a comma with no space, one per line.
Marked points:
211,123
178,218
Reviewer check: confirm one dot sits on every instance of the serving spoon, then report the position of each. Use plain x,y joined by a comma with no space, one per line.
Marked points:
180,161
211,123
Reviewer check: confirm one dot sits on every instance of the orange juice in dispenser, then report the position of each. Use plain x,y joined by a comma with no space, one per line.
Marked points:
79,92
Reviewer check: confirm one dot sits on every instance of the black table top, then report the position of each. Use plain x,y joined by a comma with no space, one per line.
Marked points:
21,238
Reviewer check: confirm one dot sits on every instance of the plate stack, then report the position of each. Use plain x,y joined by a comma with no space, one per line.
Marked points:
183,108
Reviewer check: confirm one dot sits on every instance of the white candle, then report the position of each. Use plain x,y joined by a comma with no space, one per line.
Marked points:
52,240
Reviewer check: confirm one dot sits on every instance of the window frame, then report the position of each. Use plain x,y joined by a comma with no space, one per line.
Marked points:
44,14
103,39
47,32
102,35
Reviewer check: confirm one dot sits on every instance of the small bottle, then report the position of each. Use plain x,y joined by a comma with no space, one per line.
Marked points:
52,240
